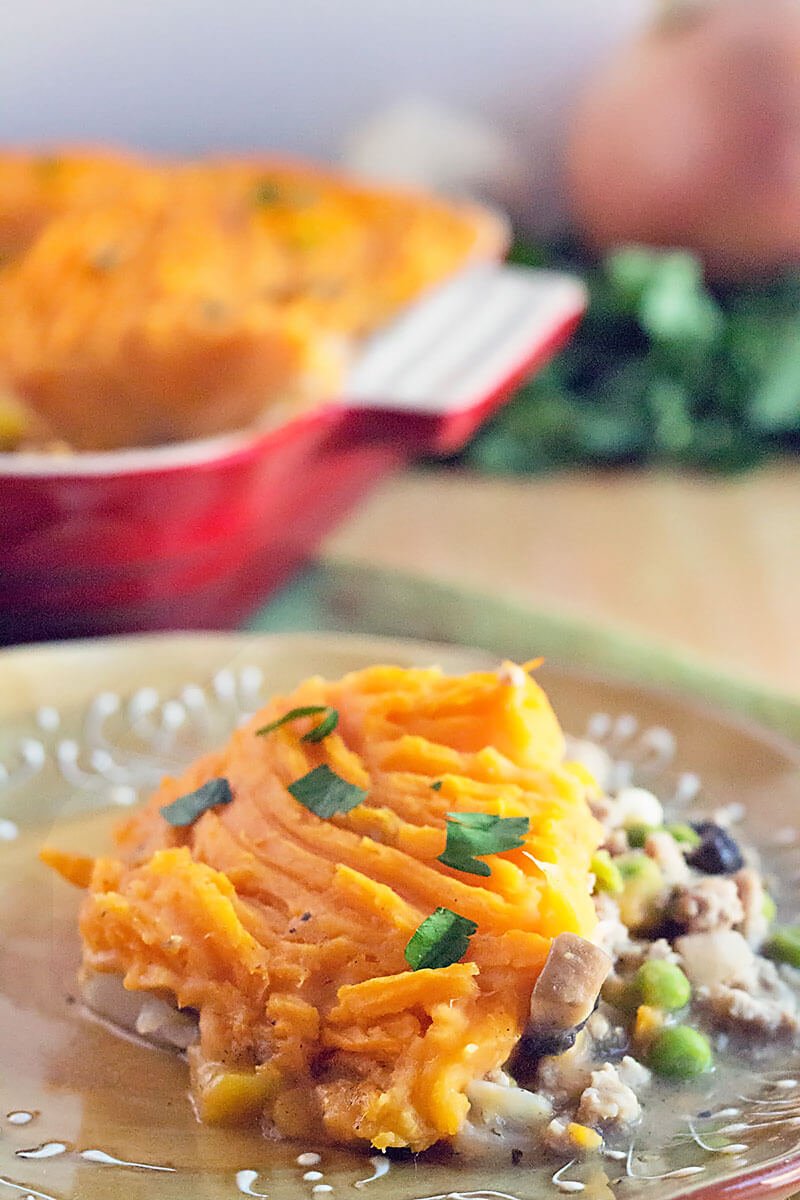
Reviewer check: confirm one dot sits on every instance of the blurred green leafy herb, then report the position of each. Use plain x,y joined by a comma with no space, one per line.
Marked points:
664,368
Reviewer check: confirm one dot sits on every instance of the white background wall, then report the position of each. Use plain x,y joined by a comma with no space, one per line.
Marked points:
295,75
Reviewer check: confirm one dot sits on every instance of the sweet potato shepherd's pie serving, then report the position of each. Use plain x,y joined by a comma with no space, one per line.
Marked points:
391,911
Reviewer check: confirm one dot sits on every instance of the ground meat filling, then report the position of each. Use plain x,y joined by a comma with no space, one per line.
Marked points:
677,963
609,1100
707,904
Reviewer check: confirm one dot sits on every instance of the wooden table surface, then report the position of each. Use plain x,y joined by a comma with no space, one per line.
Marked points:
709,565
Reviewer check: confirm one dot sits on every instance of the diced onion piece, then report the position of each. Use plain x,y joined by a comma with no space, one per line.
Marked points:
719,957
492,1102
637,806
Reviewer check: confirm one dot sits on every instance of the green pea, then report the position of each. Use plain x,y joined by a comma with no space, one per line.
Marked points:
662,985
679,1052
621,994
784,945
637,835
769,909
633,866
607,877
684,835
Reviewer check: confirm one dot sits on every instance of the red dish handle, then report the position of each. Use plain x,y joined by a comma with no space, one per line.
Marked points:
437,373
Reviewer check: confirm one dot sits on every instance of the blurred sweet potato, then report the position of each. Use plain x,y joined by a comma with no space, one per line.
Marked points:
148,302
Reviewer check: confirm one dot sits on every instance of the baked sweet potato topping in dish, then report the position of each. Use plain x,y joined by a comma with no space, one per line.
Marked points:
143,302
391,910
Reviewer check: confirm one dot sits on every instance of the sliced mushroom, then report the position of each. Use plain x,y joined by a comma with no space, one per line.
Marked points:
568,987
564,996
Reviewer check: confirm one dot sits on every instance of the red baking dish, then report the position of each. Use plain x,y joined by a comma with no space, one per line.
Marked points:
196,535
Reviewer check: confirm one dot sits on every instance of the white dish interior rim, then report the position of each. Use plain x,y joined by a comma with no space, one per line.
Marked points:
34,464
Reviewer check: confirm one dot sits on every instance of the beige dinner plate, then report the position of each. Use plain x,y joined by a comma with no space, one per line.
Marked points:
87,729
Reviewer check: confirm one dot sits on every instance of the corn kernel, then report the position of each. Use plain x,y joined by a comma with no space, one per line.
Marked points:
234,1097
649,1021
583,1137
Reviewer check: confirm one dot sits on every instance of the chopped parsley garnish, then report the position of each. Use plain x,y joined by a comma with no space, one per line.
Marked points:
326,725
441,940
473,834
186,809
325,793
437,786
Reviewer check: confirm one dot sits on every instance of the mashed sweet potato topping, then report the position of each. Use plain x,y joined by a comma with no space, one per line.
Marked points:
144,301
288,931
